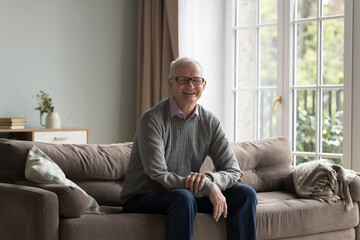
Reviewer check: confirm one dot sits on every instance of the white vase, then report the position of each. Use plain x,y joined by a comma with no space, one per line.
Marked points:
53,120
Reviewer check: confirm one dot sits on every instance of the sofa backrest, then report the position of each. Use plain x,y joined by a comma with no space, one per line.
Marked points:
100,169
265,163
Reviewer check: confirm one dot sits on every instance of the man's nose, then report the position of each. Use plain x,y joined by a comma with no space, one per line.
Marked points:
190,83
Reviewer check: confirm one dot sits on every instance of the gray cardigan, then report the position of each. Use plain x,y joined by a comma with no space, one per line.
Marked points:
166,149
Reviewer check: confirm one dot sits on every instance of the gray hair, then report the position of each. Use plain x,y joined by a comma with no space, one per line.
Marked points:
181,61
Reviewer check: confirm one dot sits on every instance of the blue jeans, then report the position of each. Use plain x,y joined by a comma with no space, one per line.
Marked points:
180,208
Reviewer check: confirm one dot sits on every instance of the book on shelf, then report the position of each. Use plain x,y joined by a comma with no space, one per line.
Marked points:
13,124
12,120
12,127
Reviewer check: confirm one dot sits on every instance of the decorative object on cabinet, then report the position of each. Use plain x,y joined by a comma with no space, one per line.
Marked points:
45,106
53,120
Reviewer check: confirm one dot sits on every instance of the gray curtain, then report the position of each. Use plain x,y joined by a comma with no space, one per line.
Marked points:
157,47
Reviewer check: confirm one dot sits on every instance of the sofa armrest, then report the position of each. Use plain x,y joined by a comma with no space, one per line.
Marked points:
355,189
72,202
28,213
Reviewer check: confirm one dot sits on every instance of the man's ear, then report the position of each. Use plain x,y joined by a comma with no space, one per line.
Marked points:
169,82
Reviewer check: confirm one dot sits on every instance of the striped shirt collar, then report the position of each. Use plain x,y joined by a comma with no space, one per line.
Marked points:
175,111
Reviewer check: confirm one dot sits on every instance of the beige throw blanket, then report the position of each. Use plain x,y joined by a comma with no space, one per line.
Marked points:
324,181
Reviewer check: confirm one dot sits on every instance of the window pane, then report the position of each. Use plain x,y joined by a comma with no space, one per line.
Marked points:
306,54
268,11
305,120
333,51
303,159
246,53
245,113
332,122
337,161
333,7
268,56
246,12
267,120
306,9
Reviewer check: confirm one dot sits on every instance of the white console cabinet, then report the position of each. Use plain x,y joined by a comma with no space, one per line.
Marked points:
57,136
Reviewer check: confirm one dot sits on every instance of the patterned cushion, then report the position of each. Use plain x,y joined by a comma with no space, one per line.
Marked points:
41,169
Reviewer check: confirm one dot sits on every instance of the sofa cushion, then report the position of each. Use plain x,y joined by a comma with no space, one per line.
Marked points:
41,169
72,202
280,215
90,161
78,161
266,163
105,192
134,226
103,164
12,162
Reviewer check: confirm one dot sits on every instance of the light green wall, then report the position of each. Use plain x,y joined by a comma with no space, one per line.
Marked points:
81,52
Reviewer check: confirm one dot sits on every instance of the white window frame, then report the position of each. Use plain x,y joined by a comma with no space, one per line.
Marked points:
288,45
230,91
285,39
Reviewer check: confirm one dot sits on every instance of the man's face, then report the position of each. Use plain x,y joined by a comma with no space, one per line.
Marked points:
189,94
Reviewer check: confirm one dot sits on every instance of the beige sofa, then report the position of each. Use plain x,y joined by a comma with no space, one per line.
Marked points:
45,212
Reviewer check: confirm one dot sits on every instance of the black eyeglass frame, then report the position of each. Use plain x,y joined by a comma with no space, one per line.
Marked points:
188,80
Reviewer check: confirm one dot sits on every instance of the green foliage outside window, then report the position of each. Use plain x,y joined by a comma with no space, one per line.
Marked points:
309,66
331,135
307,73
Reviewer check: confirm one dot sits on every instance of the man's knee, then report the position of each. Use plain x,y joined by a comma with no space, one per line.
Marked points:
239,195
249,192
183,197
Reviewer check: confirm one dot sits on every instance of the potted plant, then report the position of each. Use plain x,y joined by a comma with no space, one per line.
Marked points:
45,106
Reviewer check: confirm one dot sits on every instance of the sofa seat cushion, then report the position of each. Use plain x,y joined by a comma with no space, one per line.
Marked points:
334,235
282,214
279,215
115,225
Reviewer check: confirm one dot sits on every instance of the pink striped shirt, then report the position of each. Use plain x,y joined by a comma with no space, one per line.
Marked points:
175,111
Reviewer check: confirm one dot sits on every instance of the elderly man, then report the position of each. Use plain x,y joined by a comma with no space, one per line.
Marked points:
171,143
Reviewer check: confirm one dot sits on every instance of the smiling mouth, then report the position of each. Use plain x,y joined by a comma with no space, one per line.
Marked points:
189,93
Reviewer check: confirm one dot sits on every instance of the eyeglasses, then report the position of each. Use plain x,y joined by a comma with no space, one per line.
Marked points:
186,80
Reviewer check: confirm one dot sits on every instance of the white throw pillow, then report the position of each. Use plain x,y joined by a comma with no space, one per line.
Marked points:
41,169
